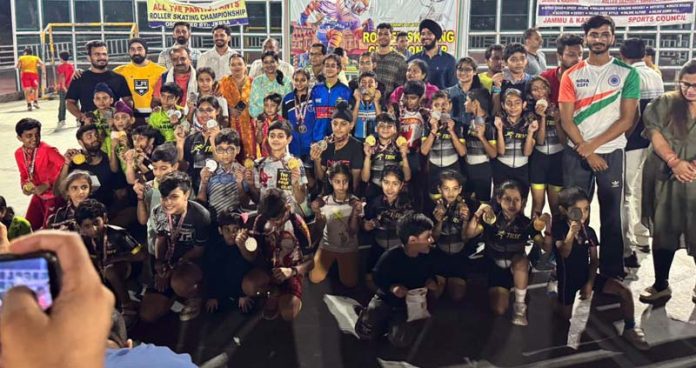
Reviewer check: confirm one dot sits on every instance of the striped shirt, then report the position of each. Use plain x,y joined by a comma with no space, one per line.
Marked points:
223,191
552,143
596,93
390,70
515,136
383,157
442,153
475,152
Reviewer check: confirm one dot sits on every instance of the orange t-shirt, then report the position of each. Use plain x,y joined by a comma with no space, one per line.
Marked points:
29,64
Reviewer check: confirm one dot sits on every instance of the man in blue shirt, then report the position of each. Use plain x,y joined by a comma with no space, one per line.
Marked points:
441,65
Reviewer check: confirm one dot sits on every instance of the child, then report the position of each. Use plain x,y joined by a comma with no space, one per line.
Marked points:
400,270
118,143
298,111
367,63
226,263
16,225
451,217
384,152
468,80
138,163
382,214
575,243
443,141
195,148
515,142
481,146
270,114
506,233
182,227
417,70
39,167
279,170
412,120
77,187
367,106
281,236
513,76
164,161
546,163
166,117
342,147
64,72
325,96
222,188
337,221
205,77
101,117
112,250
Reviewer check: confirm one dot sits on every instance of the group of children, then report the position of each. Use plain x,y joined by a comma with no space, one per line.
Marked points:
331,167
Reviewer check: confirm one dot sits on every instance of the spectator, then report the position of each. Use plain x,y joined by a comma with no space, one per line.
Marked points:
441,65
391,65
536,60
569,51
218,58
28,66
650,60
402,44
182,73
236,89
64,71
495,63
270,44
181,34
272,81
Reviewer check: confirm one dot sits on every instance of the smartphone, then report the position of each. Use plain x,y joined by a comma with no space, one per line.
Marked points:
39,271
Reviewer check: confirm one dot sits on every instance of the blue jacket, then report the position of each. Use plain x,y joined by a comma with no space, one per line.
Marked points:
324,100
301,142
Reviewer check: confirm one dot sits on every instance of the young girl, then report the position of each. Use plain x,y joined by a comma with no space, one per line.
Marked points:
367,106
198,146
467,80
506,232
76,188
270,114
481,146
382,214
515,141
337,217
298,111
381,152
205,77
417,70
16,225
575,245
412,120
119,139
546,163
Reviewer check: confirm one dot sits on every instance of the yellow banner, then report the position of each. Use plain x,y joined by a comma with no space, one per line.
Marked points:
201,14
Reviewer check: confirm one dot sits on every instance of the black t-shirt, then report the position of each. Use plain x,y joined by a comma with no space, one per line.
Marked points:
82,89
578,261
387,215
117,242
505,240
194,230
196,150
395,267
223,268
351,154
108,181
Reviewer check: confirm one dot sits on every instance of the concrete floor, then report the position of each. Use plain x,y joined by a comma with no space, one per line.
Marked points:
458,335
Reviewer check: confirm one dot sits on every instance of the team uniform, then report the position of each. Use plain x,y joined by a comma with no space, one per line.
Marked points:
546,162
141,81
324,99
479,173
513,164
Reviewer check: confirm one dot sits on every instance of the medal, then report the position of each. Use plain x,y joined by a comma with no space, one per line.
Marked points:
302,128
300,112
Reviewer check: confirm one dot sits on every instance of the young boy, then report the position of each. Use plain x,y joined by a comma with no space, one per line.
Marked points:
112,251
64,71
398,272
222,185
170,114
279,170
367,63
103,100
270,114
226,263
164,161
412,121
138,163
443,141
367,106
39,167
116,143
381,153
481,146
182,227
512,76
575,246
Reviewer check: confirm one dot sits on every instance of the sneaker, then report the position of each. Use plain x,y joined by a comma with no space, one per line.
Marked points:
36,105
631,261
519,314
650,294
552,287
636,337
191,310
61,125
29,108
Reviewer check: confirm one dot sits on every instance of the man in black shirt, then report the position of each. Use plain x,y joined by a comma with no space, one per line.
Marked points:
82,87
399,272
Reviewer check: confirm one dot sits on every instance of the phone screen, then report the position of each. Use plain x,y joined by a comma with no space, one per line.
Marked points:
32,273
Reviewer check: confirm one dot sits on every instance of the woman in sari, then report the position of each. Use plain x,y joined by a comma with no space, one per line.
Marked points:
236,89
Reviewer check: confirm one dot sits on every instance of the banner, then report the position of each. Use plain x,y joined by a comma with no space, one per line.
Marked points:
200,13
351,24
554,13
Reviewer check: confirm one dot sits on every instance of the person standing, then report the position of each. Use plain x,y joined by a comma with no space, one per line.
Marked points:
669,189
182,73
494,62
141,75
82,88
218,58
64,71
650,60
236,89
569,51
391,65
635,234
182,35
402,44
536,60
28,65
598,100
256,68
441,65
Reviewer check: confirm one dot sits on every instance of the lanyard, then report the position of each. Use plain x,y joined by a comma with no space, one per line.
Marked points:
30,166
173,234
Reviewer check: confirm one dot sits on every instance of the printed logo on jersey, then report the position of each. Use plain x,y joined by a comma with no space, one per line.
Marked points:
141,86
614,80
582,82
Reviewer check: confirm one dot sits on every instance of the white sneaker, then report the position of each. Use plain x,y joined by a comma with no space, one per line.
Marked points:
636,337
650,294
191,310
519,314
552,287
61,125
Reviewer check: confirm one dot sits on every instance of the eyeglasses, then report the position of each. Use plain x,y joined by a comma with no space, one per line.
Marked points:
226,151
686,85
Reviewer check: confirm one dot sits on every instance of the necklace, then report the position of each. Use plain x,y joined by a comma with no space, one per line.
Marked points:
31,164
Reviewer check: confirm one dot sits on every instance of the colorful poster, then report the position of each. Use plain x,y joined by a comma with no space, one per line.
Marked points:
554,13
351,24
200,13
